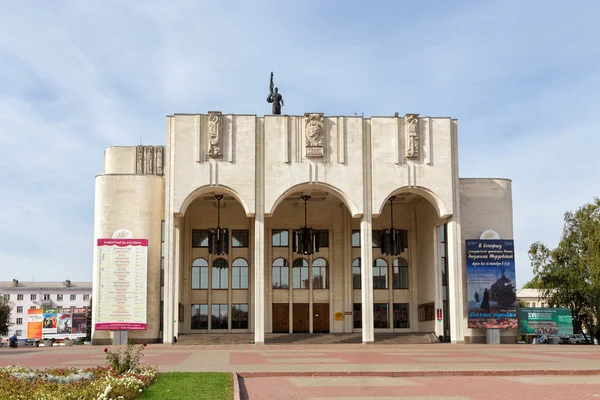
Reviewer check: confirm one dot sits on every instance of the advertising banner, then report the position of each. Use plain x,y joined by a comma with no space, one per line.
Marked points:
545,321
63,325
35,317
50,321
122,267
79,321
492,298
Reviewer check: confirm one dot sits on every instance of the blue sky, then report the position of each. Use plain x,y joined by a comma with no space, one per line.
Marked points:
521,77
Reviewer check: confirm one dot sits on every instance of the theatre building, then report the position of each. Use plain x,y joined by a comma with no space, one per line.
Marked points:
290,224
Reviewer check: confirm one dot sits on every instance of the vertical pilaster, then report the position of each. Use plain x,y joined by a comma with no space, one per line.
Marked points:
259,239
455,282
177,244
168,294
366,266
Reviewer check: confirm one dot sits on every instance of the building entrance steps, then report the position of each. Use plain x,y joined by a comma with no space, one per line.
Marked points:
304,338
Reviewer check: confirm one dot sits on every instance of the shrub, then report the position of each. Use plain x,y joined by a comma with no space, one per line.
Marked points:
128,361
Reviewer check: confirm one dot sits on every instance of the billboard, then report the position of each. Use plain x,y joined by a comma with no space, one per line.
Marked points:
59,323
491,291
545,321
35,318
121,276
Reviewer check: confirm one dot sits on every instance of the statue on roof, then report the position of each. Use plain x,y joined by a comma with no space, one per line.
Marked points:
275,98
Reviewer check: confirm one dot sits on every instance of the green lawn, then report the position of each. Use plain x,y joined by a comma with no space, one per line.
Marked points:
191,385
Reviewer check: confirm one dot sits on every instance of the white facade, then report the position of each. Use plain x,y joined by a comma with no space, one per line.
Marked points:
351,167
25,295
532,298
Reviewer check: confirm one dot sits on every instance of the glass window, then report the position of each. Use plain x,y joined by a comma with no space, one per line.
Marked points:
239,238
239,316
19,297
426,312
376,239
199,316
32,307
19,309
59,297
7,297
199,274
380,315
322,238
319,274
45,297
73,297
33,297
401,315
220,274
162,231
280,238
86,297
19,332
239,274
356,279
400,278
380,270
355,238
19,321
200,238
300,274
219,316
357,314
281,274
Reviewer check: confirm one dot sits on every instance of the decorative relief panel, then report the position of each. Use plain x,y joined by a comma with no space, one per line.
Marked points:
214,135
411,130
149,160
314,132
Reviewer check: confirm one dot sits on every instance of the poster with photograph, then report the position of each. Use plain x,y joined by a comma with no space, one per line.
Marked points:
35,317
492,298
64,324
50,321
79,321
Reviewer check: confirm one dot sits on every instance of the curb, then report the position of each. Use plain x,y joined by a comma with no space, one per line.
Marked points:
428,374
236,386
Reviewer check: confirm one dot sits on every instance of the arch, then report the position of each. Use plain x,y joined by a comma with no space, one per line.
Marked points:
311,186
280,273
239,273
356,274
200,274
220,274
300,276
433,198
400,279
380,273
320,273
214,188
200,262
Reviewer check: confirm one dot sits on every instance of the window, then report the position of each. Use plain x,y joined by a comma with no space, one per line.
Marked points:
45,297
380,315
380,274
220,276
7,297
19,309
32,307
400,273
322,238
355,238
376,239
239,238
239,274
280,238
281,274
219,316
73,297
356,274
200,274
86,297
319,274
300,274
357,314
199,238
59,297
426,312
239,316
19,332
33,297
20,297
199,316
19,321
401,315
543,305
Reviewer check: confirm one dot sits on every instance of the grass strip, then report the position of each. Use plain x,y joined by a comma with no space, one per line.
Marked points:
191,385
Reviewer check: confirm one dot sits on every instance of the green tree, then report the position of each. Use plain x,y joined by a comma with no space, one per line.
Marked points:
5,309
535,283
569,276
88,322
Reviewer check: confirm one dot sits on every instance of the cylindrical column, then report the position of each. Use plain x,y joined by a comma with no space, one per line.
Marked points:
366,266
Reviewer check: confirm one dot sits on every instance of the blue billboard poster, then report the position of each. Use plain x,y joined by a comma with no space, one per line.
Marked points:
492,298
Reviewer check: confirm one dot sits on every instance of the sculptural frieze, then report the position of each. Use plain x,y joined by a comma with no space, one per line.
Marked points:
411,129
214,134
314,133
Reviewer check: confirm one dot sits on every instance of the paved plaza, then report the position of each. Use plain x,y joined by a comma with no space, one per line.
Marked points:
357,371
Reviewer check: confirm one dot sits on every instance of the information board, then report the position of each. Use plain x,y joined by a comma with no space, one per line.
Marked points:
492,298
545,321
122,284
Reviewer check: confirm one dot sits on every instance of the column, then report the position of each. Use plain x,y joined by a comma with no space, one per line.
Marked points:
177,244
169,278
455,282
366,274
259,278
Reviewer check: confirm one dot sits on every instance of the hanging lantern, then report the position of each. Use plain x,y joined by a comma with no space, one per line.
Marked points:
218,238
393,241
304,240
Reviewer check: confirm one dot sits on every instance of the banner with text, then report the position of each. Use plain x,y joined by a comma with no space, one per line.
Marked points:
492,299
545,321
35,317
122,284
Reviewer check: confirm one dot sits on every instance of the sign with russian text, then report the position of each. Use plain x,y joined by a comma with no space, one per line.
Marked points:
35,317
122,284
492,299
545,321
